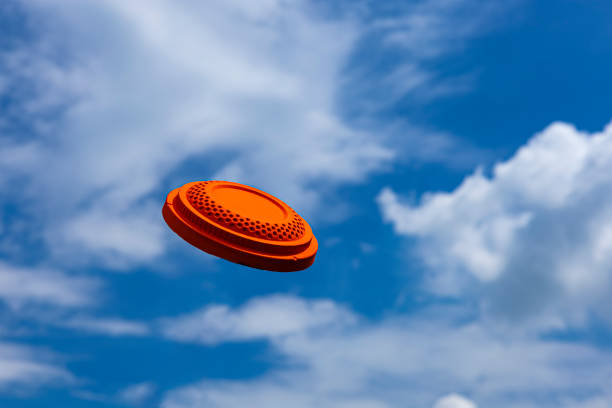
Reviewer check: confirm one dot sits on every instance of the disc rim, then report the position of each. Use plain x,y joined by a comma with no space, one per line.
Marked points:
230,251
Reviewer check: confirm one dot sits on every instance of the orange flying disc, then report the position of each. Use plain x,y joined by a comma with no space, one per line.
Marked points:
241,224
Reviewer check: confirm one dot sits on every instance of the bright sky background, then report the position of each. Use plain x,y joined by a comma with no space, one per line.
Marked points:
454,158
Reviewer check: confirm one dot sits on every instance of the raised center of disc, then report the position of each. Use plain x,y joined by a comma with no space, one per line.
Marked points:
249,203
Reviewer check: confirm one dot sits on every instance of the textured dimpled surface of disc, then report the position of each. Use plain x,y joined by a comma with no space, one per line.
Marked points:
241,224
245,210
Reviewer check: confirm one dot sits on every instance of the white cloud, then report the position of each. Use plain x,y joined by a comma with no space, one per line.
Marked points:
23,368
14,157
133,235
136,394
53,298
271,316
107,326
121,94
415,34
401,361
538,229
21,287
427,29
454,401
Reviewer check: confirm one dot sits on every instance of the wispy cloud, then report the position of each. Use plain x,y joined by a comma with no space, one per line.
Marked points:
136,394
51,298
104,325
113,114
20,287
404,41
399,361
132,395
23,368
118,109
272,316
430,28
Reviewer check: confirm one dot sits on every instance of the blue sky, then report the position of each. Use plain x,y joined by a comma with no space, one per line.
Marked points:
452,156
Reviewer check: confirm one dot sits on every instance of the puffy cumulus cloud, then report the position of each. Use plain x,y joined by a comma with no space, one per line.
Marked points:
400,361
538,229
454,401
111,98
23,368
271,316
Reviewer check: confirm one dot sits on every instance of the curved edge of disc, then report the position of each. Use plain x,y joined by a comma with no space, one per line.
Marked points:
213,246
